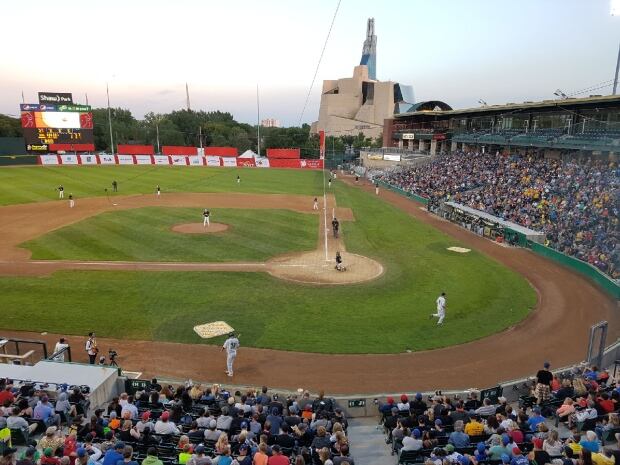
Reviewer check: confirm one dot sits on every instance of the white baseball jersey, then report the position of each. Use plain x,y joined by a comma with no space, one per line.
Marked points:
441,303
231,345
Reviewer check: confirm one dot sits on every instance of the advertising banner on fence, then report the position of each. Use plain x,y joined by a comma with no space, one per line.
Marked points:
195,161
143,160
249,162
179,160
229,161
161,159
88,159
212,160
311,164
262,162
68,159
107,159
49,159
125,159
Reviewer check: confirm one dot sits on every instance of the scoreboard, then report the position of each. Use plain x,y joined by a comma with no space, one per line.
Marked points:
50,127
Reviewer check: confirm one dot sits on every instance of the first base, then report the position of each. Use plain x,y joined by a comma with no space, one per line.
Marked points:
214,329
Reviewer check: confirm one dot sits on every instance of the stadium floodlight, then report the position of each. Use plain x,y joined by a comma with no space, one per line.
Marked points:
482,102
558,93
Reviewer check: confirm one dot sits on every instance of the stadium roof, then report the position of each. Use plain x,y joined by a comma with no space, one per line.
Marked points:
607,99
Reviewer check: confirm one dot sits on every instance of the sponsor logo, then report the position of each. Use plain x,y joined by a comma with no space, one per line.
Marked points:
37,148
55,97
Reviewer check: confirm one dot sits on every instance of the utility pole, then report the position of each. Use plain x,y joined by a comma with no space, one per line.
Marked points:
200,135
187,95
107,89
157,133
617,69
257,122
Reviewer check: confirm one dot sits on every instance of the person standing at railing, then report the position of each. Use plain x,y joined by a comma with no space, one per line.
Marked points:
60,346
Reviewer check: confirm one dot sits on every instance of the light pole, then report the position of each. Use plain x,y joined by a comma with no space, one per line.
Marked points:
615,11
107,90
617,69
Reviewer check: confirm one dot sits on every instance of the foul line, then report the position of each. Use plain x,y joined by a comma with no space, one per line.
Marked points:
325,216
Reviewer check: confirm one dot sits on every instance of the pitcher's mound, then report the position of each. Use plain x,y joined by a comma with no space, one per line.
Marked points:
312,268
198,228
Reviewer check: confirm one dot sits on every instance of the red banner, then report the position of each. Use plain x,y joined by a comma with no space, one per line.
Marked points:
222,151
135,150
284,153
322,144
86,120
246,162
72,147
178,150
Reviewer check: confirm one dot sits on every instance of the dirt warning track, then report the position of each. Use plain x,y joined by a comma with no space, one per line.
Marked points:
556,330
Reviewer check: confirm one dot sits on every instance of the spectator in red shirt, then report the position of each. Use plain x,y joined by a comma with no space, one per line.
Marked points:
277,458
6,394
605,404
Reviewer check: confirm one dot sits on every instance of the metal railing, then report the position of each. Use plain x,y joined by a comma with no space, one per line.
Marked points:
17,343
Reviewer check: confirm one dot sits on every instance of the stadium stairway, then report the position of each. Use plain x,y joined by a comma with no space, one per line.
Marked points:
368,442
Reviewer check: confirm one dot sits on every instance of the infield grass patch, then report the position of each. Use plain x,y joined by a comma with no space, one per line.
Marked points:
144,234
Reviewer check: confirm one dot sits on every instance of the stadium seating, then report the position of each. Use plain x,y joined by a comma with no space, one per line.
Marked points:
576,204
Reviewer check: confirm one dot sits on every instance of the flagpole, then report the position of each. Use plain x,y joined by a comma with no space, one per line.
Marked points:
107,90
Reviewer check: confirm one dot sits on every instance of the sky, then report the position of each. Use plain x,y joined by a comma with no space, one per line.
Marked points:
457,51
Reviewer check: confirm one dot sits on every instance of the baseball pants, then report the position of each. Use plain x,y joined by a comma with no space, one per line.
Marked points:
441,314
230,359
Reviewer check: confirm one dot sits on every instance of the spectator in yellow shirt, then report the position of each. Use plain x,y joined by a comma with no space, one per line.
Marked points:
474,427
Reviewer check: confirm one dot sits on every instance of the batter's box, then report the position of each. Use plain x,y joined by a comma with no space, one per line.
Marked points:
214,329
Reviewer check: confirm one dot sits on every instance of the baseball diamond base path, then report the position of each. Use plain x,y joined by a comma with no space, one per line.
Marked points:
20,223
557,330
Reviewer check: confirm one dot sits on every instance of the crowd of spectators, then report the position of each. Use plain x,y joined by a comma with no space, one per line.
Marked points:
575,204
443,430
162,425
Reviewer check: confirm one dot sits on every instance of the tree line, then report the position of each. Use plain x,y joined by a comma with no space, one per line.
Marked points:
195,128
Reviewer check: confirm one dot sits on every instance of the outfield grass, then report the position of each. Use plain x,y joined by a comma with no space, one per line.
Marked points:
387,315
38,183
145,234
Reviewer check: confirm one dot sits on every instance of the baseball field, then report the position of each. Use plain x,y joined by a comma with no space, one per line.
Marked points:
47,285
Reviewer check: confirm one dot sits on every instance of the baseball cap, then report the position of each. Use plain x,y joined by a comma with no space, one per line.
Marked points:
212,424
165,415
438,422
390,400
536,410
505,439
276,448
244,425
505,458
463,460
449,448
51,430
538,443
418,396
119,445
404,398
546,364
516,451
243,447
81,452
146,415
417,433
200,449
48,451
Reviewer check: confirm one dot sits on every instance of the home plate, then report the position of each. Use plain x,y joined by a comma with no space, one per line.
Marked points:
214,329
459,249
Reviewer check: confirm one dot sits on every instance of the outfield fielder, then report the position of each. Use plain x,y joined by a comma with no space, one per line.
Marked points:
205,215
441,308
61,192
231,345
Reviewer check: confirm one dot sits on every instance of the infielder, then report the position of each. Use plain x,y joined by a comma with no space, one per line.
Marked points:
441,308
158,190
61,192
205,215
315,206
71,201
231,345
329,182
238,179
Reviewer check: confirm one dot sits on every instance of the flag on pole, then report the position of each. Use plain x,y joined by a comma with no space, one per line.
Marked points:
322,144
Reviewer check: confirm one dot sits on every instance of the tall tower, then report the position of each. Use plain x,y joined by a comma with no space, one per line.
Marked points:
369,52
187,96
